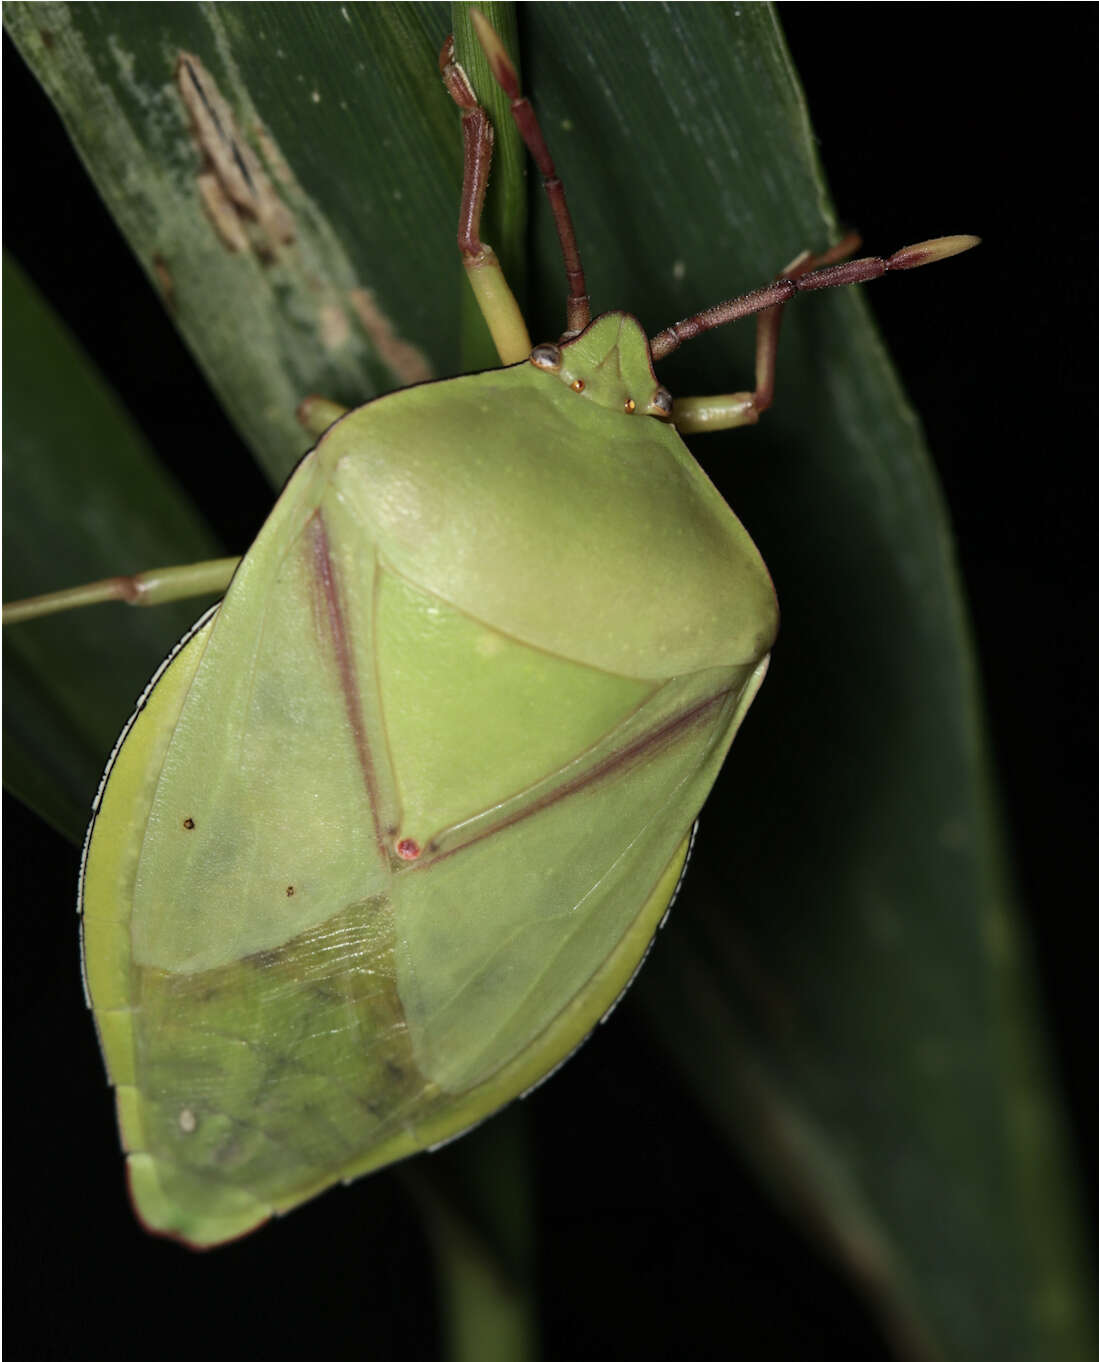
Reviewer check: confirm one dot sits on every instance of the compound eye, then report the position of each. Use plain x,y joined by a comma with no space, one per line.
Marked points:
546,357
660,404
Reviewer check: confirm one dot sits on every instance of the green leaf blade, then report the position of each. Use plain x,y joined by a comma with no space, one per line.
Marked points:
854,934
72,680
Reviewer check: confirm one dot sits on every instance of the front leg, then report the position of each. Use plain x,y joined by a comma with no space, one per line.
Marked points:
724,411
829,269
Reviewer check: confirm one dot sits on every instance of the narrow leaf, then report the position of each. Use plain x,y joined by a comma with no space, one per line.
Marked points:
843,981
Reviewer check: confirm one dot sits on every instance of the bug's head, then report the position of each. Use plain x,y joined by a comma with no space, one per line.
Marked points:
609,360
608,363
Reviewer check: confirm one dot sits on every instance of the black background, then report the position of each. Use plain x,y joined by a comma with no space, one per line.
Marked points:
1017,463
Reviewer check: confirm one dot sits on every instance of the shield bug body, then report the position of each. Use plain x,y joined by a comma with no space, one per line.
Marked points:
395,825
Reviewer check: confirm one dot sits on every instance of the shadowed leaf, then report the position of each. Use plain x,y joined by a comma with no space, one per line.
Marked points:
842,980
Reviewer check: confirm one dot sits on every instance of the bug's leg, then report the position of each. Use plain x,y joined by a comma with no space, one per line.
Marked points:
160,585
156,587
494,296
727,410
807,273
578,306
316,414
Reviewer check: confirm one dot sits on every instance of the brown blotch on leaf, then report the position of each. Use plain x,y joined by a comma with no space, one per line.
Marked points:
401,357
276,161
220,211
165,280
236,192
335,328
289,891
188,823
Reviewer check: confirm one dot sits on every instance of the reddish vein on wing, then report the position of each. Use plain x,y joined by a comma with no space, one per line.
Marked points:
615,763
325,577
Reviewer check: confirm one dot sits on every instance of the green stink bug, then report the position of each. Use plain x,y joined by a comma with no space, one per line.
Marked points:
632,673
